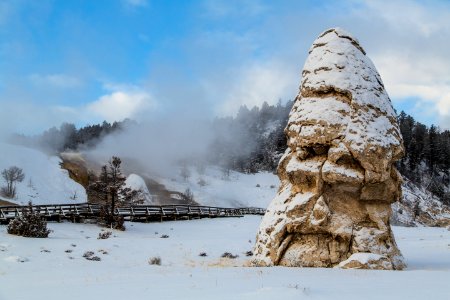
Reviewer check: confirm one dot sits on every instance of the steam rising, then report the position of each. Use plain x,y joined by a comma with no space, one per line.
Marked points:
158,146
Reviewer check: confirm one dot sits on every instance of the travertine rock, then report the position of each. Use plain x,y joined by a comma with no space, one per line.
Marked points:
337,175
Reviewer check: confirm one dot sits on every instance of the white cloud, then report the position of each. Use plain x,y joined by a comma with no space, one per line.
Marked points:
55,80
418,17
122,102
421,77
412,55
257,83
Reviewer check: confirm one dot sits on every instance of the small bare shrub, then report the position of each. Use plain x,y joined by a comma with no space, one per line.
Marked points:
229,255
94,258
11,176
104,235
257,185
188,196
68,251
203,254
249,253
155,261
164,236
88,254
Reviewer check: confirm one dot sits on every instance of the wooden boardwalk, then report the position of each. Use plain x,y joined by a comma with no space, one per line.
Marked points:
137,213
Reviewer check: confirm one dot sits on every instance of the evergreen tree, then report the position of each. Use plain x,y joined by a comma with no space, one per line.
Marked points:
110,189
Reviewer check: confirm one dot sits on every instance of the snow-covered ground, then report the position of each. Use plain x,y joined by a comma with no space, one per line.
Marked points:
49,272
214,188
45,182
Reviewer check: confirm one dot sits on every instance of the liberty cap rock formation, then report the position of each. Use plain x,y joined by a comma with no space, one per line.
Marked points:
337,175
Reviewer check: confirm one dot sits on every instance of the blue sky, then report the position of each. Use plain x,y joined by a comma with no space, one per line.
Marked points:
85,61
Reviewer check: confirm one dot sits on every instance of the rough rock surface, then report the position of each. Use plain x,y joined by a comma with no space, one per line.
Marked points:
337,175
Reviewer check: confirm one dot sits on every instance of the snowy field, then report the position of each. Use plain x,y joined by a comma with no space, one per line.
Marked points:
42,269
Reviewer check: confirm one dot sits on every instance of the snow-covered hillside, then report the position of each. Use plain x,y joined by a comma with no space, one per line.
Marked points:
214,187
54,268
45,182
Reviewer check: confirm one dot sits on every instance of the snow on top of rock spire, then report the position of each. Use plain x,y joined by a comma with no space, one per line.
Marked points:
342,97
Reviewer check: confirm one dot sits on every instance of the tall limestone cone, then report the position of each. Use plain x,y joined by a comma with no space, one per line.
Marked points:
337,175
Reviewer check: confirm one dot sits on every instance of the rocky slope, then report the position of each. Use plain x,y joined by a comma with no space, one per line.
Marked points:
418,207
338,178
83,171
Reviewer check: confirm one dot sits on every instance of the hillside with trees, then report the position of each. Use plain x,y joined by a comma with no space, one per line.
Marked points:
254,141
68,137
261,142
427,159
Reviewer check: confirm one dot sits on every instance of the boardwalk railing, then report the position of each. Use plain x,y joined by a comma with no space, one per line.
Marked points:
139,213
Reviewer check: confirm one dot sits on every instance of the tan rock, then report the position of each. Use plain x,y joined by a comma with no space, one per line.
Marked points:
337,175
363,260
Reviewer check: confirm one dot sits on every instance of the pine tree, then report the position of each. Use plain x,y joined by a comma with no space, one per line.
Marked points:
431,149
110,189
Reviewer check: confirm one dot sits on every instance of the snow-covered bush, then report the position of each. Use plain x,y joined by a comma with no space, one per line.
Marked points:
29,224
155,261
